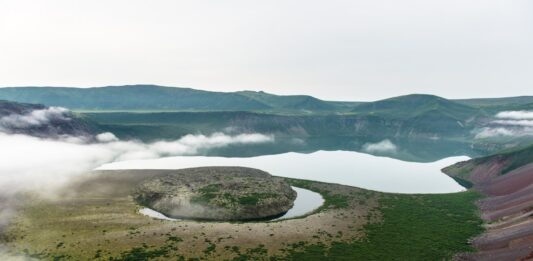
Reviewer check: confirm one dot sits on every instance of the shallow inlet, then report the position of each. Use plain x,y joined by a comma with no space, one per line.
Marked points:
306,202
341,167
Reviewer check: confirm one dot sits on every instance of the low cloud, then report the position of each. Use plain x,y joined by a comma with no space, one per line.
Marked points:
494,132
516,115
384,146
42,166
527,123
106,137
508,124
34,118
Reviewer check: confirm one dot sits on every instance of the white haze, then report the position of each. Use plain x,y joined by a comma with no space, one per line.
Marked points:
384,146
527,123
508,124
34,118
337,49
517,115
43,166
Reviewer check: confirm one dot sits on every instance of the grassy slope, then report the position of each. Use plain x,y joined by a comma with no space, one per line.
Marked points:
290,102
417,105
414,227
159,98
511,159
136,97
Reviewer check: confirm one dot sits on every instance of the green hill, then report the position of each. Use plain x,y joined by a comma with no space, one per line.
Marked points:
491,102
417,105
133,97
290,102
159,98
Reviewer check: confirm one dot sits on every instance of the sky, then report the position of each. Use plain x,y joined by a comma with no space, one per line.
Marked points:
334,50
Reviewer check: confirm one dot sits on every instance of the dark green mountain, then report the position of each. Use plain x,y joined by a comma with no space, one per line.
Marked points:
152,97
135,97
494,105
490,102
290,102
417,105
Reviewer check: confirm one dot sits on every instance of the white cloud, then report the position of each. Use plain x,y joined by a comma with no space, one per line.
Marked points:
508,124
515,115
527,123
493,132
42,166
380,147
106,137
34,118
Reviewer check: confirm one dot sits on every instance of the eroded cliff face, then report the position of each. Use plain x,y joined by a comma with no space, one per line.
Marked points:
507,181
41,121
217,193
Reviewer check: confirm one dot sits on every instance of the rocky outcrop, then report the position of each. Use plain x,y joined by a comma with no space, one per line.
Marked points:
217,193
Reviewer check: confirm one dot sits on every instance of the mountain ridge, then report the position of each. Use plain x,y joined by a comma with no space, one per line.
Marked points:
155,97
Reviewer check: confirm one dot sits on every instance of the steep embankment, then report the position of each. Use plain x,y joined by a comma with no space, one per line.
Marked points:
507,180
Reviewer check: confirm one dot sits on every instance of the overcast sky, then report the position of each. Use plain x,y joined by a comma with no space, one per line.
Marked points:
334,49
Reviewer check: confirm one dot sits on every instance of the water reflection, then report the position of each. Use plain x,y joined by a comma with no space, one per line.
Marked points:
342,167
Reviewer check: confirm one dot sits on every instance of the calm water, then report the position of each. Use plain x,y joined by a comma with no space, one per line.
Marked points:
342,167
306,201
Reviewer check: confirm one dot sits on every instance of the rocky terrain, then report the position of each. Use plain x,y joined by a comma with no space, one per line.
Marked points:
507,181
217,193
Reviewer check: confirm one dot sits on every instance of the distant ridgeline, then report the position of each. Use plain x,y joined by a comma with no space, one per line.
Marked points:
149,112
153,97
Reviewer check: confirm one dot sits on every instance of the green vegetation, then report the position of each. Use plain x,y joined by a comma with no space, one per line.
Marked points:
414,227
463,182
516,158
207,193
159,98
511,160
354,224
494,105
417,105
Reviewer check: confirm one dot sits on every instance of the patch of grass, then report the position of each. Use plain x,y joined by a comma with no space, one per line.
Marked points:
254,198
463,182
207,193
248,200
414,227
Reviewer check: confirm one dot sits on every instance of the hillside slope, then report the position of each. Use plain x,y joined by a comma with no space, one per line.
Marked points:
159,98
134,97
41,121
290,102
500,104
416,105
507,179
